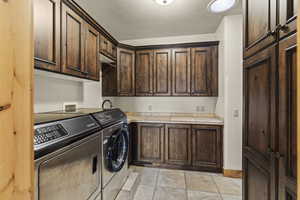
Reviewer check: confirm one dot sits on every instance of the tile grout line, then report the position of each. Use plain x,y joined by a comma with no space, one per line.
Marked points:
221,197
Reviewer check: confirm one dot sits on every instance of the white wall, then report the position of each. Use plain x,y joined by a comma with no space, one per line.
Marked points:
230,78
52,92
166,104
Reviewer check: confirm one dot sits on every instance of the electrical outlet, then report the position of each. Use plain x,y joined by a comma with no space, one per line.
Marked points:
236,113
202,108
149,107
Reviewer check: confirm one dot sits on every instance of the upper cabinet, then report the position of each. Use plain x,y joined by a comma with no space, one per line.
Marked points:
126,72
144,73
73,42
259,25
181,71
91,52
162,72
107,48
47,34
288,16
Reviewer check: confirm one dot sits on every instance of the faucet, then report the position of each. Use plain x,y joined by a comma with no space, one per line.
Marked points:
106,101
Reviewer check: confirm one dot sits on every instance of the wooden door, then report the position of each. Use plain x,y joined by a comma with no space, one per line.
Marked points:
16,100
162,72
259,125
181,69
259,25
144,73
288,15
47,34
201,71
150,141
73,42
178,144
91,53
207,148
126,74
287,154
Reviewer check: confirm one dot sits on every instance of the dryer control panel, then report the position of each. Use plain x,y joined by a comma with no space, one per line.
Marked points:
49,133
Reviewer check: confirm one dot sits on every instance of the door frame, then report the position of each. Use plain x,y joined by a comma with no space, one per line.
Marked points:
16,100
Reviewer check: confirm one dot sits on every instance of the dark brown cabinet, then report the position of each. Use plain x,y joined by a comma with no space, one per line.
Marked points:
177,144
91,53
47,34
181,69
107,48
181,146
73,42
260,125
207,147
287,155
126,72
259,25
144,73
162,72
150,142
204,70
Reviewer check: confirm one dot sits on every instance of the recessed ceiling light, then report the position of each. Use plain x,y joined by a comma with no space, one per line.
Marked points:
218,6
164,2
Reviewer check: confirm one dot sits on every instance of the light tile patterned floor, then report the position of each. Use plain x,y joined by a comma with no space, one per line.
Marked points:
164,184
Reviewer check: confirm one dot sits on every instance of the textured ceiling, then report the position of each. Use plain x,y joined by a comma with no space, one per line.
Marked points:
135,19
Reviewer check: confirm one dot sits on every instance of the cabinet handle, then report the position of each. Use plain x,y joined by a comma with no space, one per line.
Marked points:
85,73
74,68
94,164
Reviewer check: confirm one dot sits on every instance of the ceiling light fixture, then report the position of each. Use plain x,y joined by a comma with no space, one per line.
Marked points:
217,6
164,2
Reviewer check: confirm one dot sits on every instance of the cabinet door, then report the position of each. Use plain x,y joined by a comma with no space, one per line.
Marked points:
201,71
178,144
181,70
162,72
91,53
207,147
288,16
109,80
144,73
73,42
47,34
126,80
259,122
287,118
150,143
259,22
103,44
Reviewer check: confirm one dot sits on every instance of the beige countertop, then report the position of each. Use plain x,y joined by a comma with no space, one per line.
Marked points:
179,118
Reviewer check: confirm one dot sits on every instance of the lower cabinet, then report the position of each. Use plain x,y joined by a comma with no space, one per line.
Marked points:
181,146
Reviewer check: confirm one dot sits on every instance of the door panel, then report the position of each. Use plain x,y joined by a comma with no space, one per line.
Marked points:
259,125
162,72
47,34
201,71
150,142
259,22
126,72
73,31
207,147
288,15
181,70
144,73
91,53
287,118
178,144
258,182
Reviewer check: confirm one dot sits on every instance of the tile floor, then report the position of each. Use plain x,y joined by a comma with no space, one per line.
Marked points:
164,184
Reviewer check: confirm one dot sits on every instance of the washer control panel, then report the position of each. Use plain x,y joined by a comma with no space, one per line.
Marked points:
49,133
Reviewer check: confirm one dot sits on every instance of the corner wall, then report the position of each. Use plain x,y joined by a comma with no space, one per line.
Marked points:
230,101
